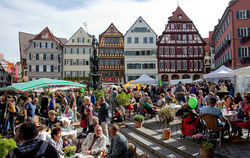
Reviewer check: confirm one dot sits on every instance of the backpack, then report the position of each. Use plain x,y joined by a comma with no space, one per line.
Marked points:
40,153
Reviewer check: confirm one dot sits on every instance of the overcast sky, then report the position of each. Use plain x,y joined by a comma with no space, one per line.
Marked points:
64,17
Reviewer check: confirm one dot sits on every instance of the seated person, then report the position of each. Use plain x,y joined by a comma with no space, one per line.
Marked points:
69,113
229,102
118,116
211,109
52,120
93,123
43,135
95,143
149,106
56,140
161,102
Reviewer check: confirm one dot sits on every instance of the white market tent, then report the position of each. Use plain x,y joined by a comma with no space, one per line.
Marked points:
221,73
144,79
242,79
242,71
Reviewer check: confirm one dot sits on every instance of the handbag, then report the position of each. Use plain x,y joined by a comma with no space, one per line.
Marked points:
83,123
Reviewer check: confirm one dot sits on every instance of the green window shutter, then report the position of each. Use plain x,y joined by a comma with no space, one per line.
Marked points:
65,74
64,61
71,61
238,15
77,40
248,16
71,50
77,61
238,30
83,50
248,51
248,31
77,50
82,40
83,73
65,51
239,52
83,61
70,73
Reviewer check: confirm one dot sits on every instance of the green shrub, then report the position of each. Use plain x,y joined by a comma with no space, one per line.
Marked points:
123,99
139,118
207,145
5,146
167,115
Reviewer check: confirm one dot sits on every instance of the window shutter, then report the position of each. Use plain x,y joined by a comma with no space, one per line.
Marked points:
70,61
248,51
238,14
77,61
71,50
77,40
64,50
77,50
248,16
248,32
238,32
64,61
83,61
239,52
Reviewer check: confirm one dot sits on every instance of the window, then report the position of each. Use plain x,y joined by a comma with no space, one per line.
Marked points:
201,51
74,62
136,39
112,62
172,64
184,65
117,51
34,44
112,40
44,56
161,51
179,17
195,64
190,37
68,50
74,51
191,64
166,64
172,51
184,37
151,40
37,68
134,66
87,61
80,51
106,62
195,51
30,70
116,40
140,29
44,68
172,26
111,51
117,62
243,32
243,14
68,74
179,37
184,51
106,40
129,40
178,65
145,39
101,50
106,51
30,56
166,51
81,40
101,62
184,26
243,52
52,68
40,44
58,68
51,56
46,45
201,64
112,30
37,56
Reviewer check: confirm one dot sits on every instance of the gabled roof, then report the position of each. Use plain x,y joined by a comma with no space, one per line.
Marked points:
80,29
140,18
24,42
111,25
176,13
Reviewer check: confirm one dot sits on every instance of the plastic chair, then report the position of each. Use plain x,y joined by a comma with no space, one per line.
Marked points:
212,125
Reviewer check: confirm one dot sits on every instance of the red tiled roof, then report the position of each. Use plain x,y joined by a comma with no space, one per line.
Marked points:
176,13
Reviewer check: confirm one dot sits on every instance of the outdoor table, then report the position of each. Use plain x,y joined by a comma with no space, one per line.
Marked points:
175,107
231,116
82,155
67,132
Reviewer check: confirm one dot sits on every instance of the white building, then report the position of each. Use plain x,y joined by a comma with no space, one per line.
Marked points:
140,51
76,55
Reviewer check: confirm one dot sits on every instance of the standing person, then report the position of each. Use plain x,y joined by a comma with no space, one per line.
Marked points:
44,105
29,110
9,116
2,110
119,143
32,147
103,115
213,88
88,112
113,100
72,104
180,93
92,97
52,102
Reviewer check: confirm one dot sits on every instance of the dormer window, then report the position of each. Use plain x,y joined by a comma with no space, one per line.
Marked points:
179,17
112,30
139,21
44,36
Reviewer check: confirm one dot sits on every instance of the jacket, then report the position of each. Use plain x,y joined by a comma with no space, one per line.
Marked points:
98,147
119,147
103,113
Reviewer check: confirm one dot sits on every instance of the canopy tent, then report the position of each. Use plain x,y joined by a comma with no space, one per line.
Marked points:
221,73
128,84
40,83
144,79
54,89
242,71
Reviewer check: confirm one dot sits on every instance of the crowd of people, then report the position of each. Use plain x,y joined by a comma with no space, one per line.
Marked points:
98,118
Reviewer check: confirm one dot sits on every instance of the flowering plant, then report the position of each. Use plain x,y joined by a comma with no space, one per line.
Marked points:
69,151
205,142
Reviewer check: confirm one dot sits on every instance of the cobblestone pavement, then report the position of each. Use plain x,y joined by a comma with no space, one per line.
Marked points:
228,149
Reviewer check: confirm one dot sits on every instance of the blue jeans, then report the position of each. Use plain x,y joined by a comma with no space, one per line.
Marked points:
9,123
1,119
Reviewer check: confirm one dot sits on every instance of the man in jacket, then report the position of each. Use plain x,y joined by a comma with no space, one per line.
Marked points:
119,143
103,115
95,143
113,100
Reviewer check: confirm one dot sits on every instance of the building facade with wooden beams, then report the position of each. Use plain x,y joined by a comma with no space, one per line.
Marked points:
180,49
140,51
110,51
232,36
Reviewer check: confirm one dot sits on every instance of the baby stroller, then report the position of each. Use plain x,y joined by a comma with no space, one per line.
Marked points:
191,122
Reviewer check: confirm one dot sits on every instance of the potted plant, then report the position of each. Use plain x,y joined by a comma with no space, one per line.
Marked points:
207,146
138,119
123,100
166,114
6,145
